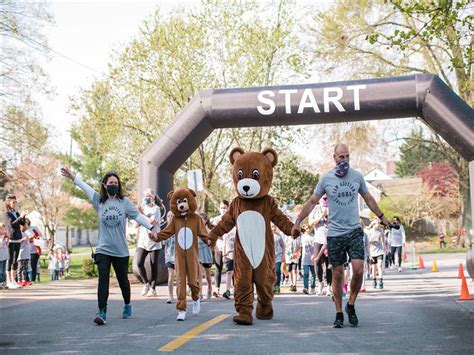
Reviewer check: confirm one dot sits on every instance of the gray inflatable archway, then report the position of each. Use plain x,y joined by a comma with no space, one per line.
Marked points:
425,96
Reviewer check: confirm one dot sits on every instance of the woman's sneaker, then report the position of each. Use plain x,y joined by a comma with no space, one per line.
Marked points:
145,289
209,295
127,311
381,284
313,291
100,318
169,300
320,289
226,294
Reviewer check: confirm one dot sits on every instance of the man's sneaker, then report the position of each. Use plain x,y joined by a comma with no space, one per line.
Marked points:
305,291
151,293
181,316
381,284
127,311
313,291
12,286
100,318
374,284
226,294
339,322
399,269
196,307
145,289
351,313
294,289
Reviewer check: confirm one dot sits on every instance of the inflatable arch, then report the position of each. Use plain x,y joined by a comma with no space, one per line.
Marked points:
421,95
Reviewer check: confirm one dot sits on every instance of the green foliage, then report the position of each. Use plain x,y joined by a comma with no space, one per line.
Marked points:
88,268
82,218
292,182
416,153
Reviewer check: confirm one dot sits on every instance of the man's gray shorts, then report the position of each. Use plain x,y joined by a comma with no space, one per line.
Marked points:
351,244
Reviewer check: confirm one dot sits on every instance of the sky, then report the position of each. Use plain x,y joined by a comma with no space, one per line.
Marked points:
84,36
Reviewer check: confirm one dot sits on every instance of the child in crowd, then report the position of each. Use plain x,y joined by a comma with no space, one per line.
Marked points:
307,246
169,259
24,257
205,259
228,255
67,262
279,253
293,251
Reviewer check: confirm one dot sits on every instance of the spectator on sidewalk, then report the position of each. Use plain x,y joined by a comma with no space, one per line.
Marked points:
3,256
12,221
442,241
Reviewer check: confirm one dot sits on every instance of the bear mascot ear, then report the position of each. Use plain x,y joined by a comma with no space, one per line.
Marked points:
271,155
235,154
170,194
192,192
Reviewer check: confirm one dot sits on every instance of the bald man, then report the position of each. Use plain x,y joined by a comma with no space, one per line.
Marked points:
342,184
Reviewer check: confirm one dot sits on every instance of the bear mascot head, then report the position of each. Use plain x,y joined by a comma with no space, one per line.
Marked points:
182,201
252,172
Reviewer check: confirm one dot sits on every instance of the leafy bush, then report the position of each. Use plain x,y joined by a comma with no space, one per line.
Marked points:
88,268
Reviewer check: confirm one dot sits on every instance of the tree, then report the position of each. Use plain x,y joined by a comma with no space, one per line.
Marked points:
441,179
291,181
383,38
416,153
38,185
174,56
23,44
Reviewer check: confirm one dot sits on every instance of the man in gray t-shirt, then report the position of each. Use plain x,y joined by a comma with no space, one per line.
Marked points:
342,185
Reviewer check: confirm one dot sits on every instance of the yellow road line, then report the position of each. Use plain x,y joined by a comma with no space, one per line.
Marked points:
183,339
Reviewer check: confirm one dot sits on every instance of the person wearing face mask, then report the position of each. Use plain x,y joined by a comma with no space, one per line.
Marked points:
342,185
145,246
113,209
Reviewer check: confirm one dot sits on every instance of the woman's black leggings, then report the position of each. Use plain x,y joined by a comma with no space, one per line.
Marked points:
218,263
319,266
13,252
120,265
140,255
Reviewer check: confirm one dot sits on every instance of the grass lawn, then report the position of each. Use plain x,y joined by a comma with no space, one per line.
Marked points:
75,269
443,251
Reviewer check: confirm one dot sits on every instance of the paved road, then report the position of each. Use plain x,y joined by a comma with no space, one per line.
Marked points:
417,312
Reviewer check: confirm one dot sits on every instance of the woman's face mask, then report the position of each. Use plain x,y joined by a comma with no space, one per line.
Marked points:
112,190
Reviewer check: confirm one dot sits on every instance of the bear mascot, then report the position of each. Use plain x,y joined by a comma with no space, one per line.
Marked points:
186,226
251,213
